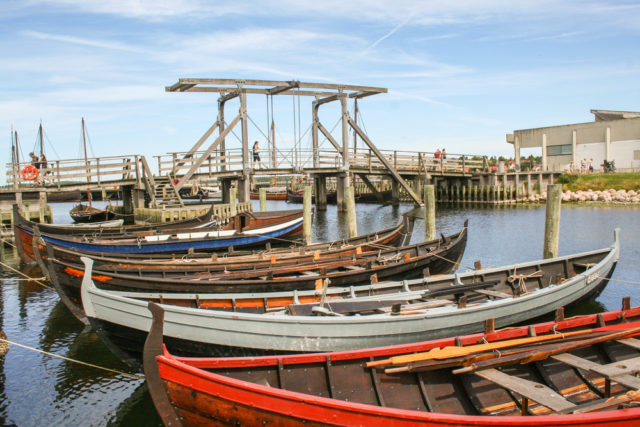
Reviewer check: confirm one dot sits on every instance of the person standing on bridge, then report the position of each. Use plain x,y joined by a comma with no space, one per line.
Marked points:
256,156
444,158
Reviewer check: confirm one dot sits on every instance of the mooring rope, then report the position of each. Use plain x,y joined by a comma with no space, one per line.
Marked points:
628,282
140,377
37,279
8,243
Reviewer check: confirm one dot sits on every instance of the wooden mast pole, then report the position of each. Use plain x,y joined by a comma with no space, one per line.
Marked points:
41,140
273,153
86,161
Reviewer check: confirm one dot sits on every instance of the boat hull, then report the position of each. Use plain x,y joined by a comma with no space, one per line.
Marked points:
336,388
284,333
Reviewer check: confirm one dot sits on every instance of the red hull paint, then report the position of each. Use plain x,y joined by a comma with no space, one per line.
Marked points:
230,400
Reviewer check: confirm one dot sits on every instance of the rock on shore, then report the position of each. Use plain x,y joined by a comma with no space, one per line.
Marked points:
606,196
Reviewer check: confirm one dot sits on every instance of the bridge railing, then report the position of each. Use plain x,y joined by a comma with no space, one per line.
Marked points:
176,165
59,173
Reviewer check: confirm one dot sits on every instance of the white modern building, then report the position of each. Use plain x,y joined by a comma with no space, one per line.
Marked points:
614,135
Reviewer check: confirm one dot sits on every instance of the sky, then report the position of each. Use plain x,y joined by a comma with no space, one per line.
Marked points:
460,74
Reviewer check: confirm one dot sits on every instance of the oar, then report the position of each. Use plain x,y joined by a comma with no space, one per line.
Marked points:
430,365
454,351
535,355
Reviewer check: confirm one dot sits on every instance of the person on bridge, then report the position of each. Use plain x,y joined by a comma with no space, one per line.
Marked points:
256,156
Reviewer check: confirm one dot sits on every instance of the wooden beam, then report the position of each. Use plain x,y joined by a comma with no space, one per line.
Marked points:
206,154
386,163
197,145
328,135
245,83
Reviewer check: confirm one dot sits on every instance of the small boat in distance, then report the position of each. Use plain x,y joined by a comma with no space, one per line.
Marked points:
87,213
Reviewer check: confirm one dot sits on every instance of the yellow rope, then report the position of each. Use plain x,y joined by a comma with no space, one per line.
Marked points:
140,377
37,280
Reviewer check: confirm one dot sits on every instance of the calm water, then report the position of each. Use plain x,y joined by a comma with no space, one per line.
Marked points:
37,389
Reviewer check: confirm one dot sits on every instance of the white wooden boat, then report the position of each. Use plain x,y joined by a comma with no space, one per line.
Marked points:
446,309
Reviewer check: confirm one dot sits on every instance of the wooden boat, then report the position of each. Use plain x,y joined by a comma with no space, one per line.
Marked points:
298,196
86,213
288,275
571,372
245,229
121,321
276,193
23,229
384,239
373,198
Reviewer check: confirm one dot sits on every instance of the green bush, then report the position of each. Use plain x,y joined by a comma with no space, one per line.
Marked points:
567,178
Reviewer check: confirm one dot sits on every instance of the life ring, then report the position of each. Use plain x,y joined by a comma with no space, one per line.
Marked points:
29,172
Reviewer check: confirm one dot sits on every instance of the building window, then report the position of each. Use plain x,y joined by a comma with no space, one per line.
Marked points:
636,154
559,150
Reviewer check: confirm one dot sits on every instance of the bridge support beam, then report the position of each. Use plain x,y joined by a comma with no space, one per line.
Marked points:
320,182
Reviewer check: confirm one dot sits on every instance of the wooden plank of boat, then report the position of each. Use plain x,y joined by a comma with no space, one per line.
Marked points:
529,389
192,329
336,388
611,371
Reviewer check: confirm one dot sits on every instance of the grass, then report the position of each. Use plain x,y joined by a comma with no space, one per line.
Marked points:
604,181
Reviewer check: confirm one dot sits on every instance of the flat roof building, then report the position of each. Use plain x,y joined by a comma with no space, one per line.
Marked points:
613,135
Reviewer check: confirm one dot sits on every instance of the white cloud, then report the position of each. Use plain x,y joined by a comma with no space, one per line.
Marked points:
80,41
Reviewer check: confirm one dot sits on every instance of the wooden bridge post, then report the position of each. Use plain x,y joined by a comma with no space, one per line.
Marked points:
552,221
395,193
340,192
321,192
306,214
351,211
429,212
263,199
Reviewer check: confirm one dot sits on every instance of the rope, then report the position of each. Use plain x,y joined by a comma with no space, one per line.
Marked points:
24,275
23,280
8,243
629,282
140,377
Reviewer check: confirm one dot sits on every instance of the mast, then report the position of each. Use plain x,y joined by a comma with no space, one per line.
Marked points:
86,161
41,140
17,148
273,153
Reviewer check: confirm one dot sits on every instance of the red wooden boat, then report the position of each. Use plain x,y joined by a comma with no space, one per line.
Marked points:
573,372
270,195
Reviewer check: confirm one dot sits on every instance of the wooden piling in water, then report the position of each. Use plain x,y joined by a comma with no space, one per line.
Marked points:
262,193
351,211
233,192
552,221
306,214
429,199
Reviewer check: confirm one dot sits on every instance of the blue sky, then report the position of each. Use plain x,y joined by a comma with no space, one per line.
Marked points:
460,74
